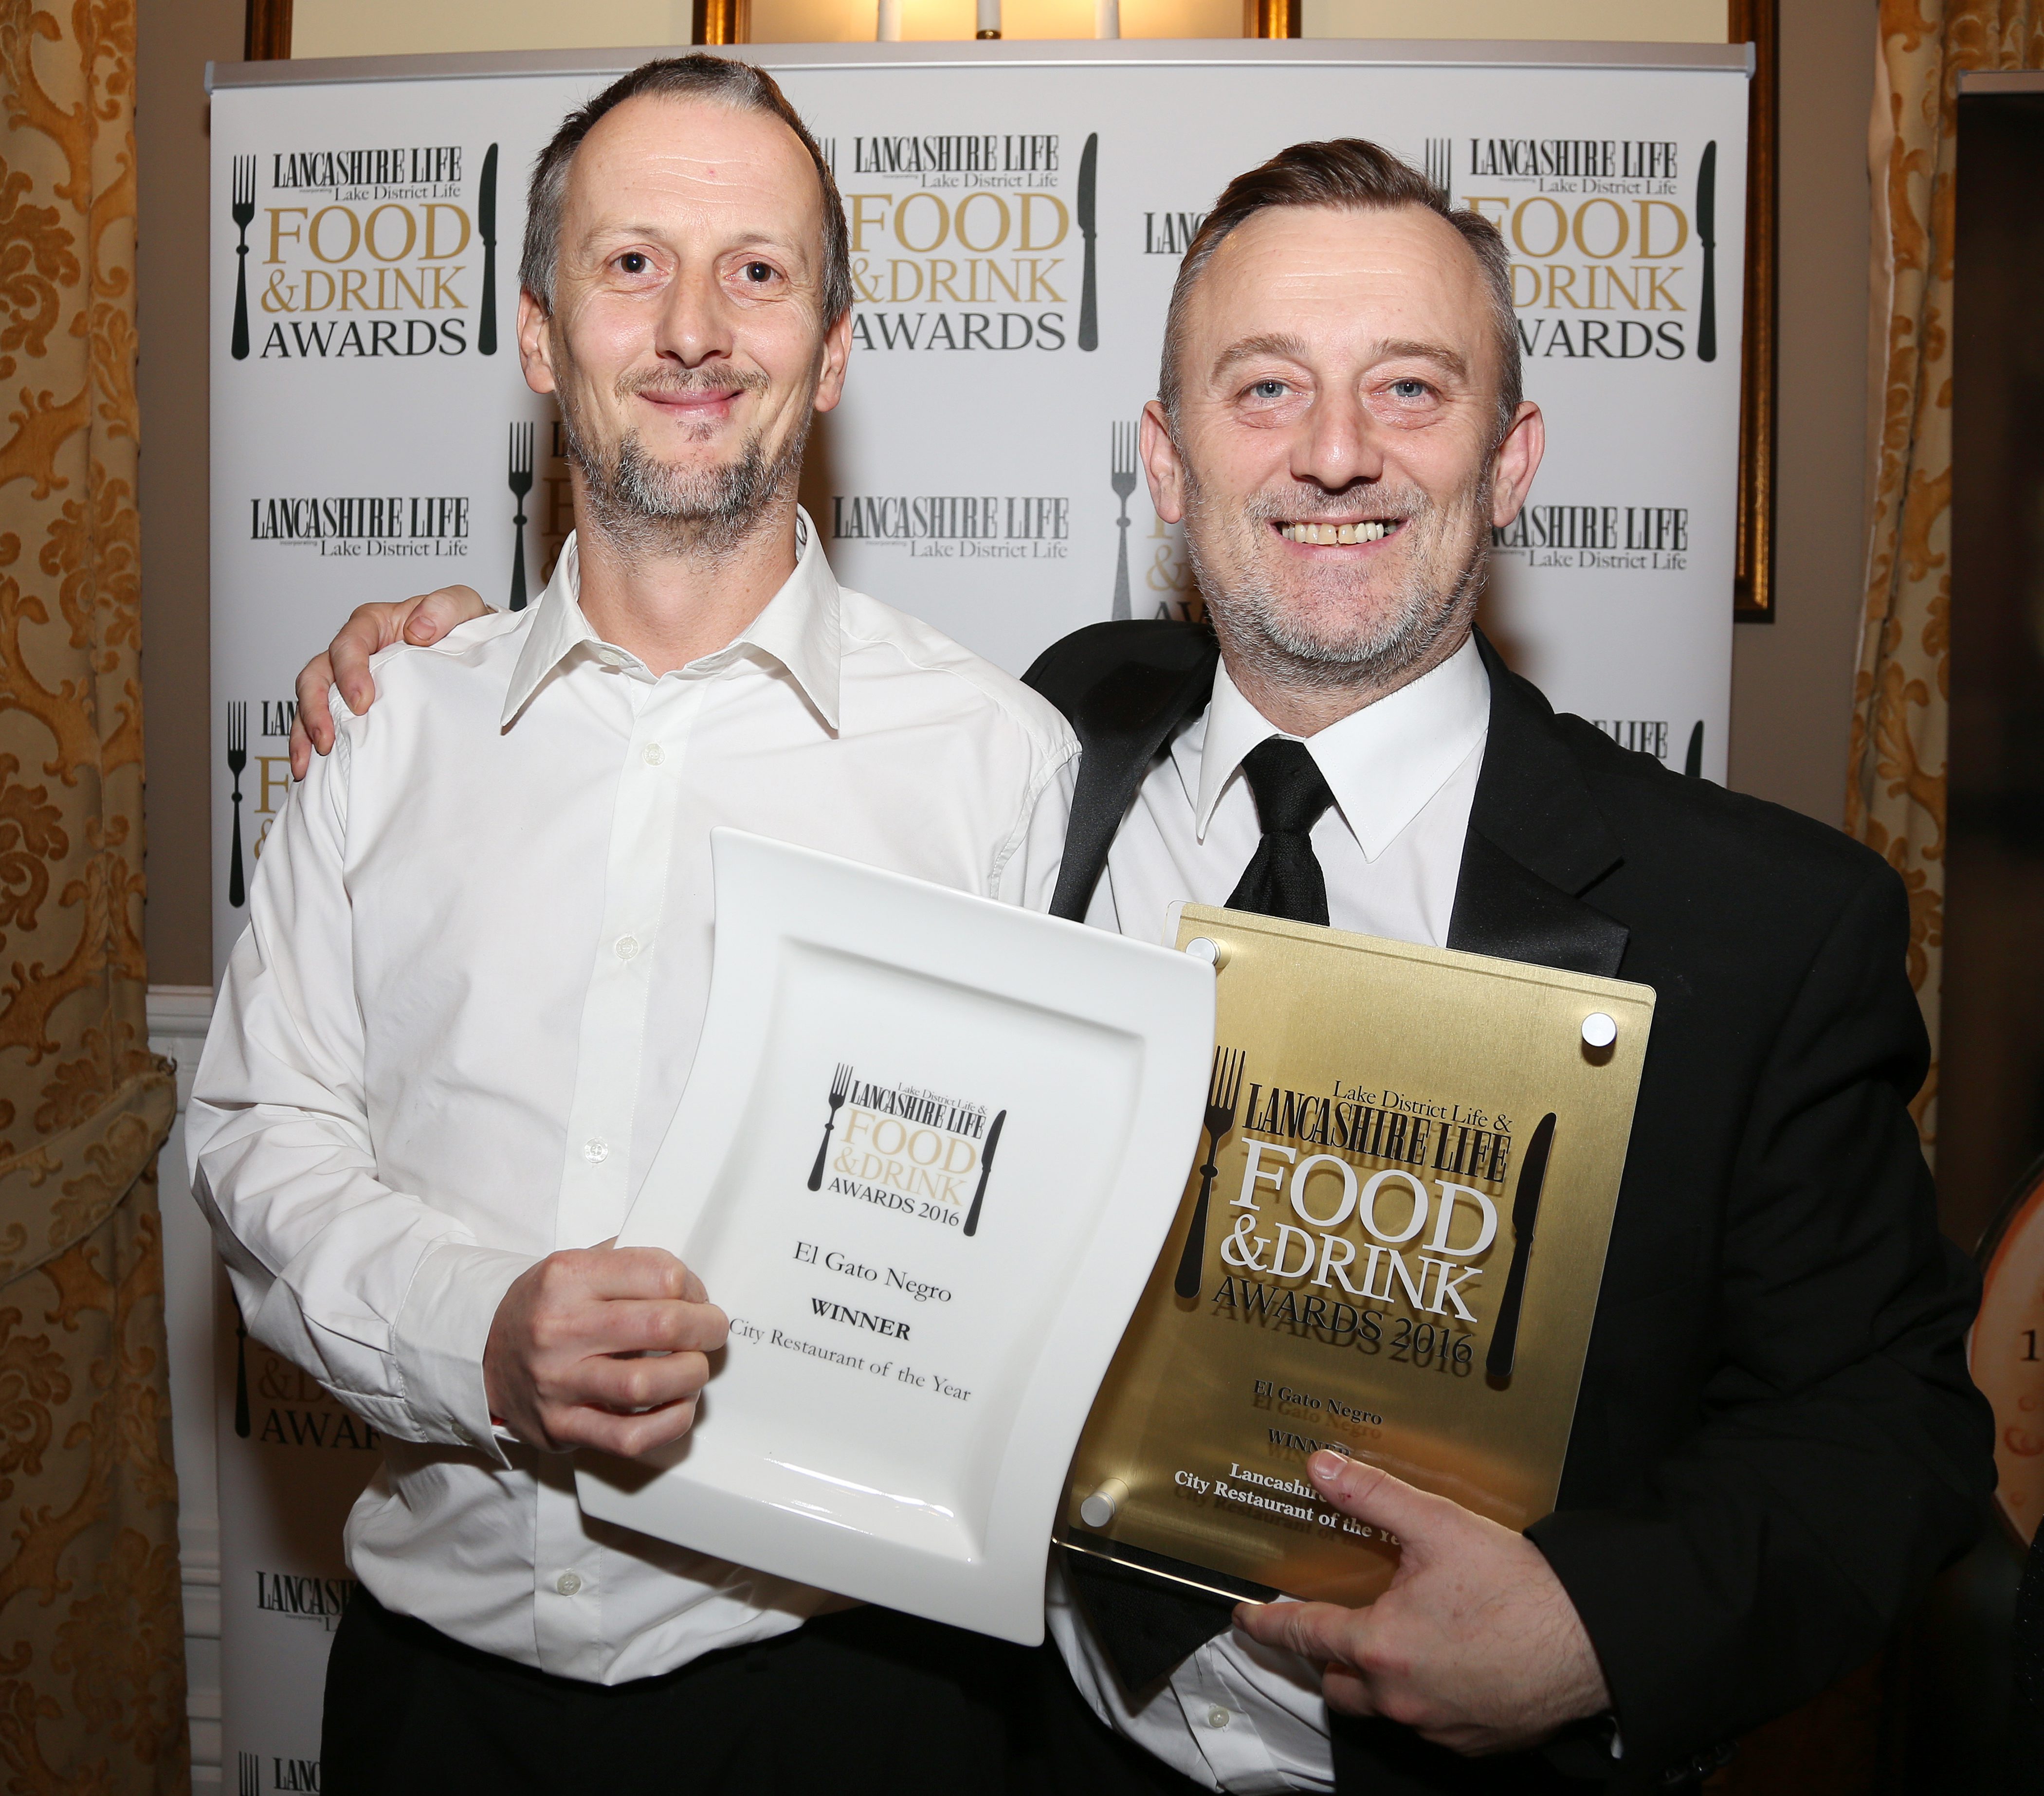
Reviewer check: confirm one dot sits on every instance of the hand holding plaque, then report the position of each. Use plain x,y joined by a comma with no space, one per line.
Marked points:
1475,1645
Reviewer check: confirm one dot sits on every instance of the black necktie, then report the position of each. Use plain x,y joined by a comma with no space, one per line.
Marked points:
1283,878
1145,1627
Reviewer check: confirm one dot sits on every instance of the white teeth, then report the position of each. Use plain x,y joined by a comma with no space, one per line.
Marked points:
1331,534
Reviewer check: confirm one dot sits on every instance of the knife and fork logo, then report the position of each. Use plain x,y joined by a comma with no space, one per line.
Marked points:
841,1090
1121,476
237,764
485,223
1224,1090
1088,334
244,215
842,1080
521,484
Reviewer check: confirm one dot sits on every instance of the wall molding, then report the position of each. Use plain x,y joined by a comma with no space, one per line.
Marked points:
178,1016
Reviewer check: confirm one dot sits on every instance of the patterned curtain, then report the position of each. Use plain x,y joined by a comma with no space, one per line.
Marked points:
1895,793
91,1630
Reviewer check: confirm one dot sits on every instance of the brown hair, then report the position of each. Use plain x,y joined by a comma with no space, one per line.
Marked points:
739,85
1346,175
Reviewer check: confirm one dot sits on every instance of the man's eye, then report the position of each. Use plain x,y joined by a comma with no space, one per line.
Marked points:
1268,390
759,272
633,261
1410,389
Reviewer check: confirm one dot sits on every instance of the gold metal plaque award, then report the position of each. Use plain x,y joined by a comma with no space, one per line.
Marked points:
1391,1245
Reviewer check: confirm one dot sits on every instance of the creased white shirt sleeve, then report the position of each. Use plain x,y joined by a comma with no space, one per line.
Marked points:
1027,875
387,1298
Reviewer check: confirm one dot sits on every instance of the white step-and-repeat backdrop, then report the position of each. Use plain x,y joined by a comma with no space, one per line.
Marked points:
1017,212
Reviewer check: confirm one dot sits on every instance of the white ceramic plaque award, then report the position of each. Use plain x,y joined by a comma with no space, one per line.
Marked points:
929,1151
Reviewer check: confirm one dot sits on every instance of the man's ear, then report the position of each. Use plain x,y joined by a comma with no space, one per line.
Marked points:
1517,460
535,343
1161,463
837,349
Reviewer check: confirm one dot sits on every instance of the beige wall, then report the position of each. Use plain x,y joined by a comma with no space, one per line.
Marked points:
1791,679
380,28
844,22
175,39
396,27
1638,21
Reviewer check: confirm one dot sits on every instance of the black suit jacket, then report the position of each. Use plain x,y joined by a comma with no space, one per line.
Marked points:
1777,1444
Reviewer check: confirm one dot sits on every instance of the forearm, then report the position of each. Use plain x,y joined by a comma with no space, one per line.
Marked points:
384,1300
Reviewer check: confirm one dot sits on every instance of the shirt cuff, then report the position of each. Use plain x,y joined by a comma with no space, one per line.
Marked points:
441,1333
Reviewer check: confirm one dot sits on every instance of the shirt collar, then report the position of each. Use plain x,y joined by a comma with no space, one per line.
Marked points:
1383,762
799,629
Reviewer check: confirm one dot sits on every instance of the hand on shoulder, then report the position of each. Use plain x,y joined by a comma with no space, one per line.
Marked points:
421,619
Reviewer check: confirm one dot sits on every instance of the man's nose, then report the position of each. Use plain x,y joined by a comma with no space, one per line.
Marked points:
1338,446
694,325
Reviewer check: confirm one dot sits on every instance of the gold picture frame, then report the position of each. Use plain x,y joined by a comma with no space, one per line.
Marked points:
1271,18
266,36
723,21
1758,22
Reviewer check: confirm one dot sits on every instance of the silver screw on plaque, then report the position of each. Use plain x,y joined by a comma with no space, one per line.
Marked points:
1099,1509
1599,1030
1201,949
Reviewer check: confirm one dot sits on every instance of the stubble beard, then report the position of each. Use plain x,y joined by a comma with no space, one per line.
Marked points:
650,510
1369,647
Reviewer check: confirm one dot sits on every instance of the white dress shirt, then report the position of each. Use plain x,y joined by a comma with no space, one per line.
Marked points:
465,1007
1236,1716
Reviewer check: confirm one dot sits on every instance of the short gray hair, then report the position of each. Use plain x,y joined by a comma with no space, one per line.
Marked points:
739,86
1347,174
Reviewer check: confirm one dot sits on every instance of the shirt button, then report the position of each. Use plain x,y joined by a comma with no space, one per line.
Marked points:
567,1584
1216,1717
596,1150
653,754
628,945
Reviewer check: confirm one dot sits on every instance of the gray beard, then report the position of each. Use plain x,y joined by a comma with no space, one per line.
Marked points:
649,510
1286,649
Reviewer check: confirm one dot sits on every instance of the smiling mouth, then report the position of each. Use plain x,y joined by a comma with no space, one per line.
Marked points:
691,398
1371,530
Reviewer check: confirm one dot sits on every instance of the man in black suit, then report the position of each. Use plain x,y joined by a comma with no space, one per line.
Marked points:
1777,1444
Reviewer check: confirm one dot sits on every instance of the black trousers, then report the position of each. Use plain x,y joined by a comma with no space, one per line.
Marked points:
867,1700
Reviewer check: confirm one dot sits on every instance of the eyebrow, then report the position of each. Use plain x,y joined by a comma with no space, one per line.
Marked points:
1453,360
1283,343
1248,348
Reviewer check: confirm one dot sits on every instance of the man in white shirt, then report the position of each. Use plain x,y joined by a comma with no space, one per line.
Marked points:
449,1042
1340,427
